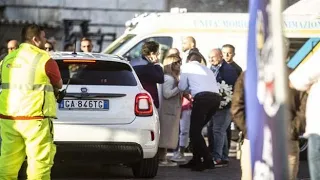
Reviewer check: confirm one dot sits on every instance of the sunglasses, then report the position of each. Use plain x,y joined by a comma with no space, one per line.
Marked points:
178,62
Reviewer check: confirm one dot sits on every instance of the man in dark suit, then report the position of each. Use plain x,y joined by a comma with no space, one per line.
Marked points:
217,129
228,52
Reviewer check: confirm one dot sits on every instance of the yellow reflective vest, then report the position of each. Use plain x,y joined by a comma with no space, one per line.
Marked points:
26,88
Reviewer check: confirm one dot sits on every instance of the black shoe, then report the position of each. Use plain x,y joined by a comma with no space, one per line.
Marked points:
198,167
190,164
210,165
203,166
221,163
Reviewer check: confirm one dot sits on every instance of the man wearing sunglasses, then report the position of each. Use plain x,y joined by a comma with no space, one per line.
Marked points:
11,46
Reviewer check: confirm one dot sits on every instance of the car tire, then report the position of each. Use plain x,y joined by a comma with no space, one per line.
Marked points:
146,168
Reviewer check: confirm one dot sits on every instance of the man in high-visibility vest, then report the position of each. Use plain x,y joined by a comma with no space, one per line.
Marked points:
29,78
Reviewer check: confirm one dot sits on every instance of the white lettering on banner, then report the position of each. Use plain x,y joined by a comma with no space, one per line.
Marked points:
263,168
221,24
302,24
243,24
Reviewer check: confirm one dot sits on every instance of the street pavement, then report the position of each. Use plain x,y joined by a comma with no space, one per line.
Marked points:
85,171
97,172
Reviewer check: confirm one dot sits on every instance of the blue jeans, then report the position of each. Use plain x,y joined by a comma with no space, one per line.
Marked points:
314,156
218,126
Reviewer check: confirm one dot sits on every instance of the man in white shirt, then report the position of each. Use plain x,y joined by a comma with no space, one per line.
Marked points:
307,78
201,82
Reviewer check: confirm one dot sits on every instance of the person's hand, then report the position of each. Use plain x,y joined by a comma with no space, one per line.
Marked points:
61,95
56,92
188,96
154,58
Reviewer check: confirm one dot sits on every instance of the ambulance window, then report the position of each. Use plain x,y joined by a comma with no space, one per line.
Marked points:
120,42
165,45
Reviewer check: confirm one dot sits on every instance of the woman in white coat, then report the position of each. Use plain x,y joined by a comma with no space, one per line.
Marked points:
170,109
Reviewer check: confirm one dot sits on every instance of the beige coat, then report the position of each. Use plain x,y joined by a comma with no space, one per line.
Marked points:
170,111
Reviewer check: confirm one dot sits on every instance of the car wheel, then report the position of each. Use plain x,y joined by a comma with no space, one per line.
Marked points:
147,168
303,144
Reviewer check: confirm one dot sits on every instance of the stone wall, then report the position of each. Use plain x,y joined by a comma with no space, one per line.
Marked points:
108,15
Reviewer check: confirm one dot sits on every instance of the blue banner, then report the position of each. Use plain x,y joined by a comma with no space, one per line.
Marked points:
265,111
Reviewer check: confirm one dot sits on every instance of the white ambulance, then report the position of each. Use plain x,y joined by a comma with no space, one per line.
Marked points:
211,30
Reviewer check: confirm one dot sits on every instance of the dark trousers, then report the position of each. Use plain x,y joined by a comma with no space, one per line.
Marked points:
204,106
229,136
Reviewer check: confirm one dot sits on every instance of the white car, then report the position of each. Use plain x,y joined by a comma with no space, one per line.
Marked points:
106,115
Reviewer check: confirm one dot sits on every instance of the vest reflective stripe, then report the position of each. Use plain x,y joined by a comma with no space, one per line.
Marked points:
34,64
34,87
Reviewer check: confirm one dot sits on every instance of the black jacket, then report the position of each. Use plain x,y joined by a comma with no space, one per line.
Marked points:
149,75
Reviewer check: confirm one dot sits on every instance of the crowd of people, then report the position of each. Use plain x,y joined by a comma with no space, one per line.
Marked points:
185,89
86,45
190,99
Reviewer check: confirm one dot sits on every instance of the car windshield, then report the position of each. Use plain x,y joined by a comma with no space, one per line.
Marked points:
114,47
95,72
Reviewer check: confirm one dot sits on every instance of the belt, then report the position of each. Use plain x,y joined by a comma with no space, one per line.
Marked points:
206,93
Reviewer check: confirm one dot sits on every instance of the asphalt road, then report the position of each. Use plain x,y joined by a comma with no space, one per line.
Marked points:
88,172
85,171
101,172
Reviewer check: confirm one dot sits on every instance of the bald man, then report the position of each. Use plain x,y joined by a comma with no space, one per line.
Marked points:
12,45
218,125
189,44
215,58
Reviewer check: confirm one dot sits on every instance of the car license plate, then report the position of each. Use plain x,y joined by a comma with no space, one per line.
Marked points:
84,104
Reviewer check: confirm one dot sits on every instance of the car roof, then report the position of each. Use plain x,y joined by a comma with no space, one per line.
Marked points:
59,55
